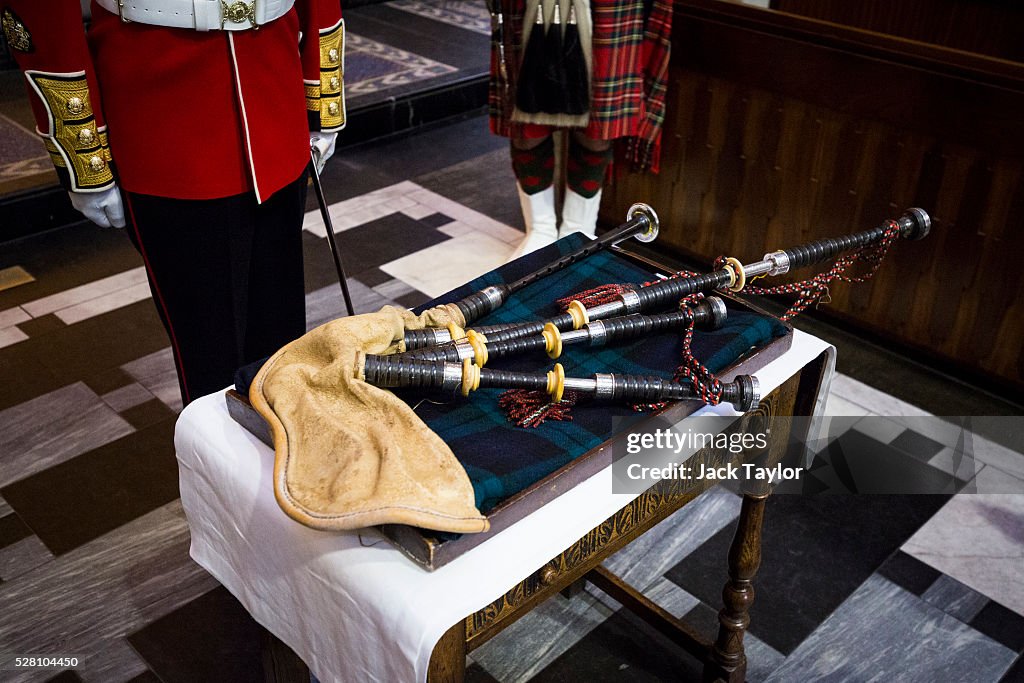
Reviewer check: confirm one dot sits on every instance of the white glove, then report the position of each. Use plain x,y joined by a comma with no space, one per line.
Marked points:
102,208
322,145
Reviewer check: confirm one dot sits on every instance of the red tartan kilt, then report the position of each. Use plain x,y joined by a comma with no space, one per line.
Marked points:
617,99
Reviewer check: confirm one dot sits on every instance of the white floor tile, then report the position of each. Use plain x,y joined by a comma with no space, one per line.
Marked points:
127,397
10,336
967,467
1004,458
53,428
837,406
455,229
13,316
879,428
442,267
86,292
991,479
22,556
978,539
104,304
393,289
417,211
875,401
156,372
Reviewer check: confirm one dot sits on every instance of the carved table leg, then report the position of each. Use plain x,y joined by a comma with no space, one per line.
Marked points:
726,660
448,660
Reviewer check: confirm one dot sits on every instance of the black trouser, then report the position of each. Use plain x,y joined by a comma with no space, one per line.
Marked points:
226,276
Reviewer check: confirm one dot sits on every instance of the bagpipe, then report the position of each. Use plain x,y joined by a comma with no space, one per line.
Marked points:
451,359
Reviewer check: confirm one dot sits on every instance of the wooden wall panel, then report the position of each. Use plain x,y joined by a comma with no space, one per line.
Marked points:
992,27
752,163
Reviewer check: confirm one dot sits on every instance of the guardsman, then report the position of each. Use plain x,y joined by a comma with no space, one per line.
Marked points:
192,121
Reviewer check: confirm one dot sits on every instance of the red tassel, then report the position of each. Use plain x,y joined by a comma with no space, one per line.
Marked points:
594,297
533,408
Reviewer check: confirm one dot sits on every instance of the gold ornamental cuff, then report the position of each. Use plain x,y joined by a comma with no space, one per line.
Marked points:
332,78
74,141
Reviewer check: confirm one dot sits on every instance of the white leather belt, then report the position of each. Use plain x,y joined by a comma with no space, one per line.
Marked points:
199,15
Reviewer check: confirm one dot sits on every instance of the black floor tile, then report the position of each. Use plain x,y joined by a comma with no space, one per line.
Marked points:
210,639
1001,625
412,299
484,183
477,674
383,240
365,248
146,677
1015,673
318,262
423,152
81,499
65,677
105,381
703,618
371,277
858,463
29,376
909,572
148,413
42,325
436,220
622,648
12,530
917,445
100,343
816,551
65,258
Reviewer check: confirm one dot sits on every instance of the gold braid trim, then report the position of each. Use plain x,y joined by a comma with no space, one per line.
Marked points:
73,140
332,78
313,96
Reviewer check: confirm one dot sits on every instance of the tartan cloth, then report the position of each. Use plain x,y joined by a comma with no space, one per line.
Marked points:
631,51
502,459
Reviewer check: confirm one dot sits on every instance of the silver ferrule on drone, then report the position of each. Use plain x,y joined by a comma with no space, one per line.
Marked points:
630,299
464,349
494,296
605,385
441,336
598,333
452,377
778,263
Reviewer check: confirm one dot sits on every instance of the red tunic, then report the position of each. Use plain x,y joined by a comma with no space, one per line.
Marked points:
191,114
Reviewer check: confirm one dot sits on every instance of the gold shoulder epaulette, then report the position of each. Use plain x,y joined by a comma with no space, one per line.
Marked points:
76,145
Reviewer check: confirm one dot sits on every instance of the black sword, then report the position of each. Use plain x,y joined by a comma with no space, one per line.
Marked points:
318,189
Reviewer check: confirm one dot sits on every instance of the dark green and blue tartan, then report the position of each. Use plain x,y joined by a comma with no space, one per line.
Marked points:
502,459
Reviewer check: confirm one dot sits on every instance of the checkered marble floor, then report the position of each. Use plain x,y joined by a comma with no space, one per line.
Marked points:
94,545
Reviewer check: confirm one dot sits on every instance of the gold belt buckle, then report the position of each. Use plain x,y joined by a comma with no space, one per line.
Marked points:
238,12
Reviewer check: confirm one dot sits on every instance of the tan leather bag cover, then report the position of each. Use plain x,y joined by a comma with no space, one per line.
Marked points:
347,454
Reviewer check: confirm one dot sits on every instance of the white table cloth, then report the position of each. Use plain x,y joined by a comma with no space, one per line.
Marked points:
349,604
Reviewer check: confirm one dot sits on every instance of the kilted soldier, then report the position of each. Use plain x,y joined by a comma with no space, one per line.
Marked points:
191,121
597,68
